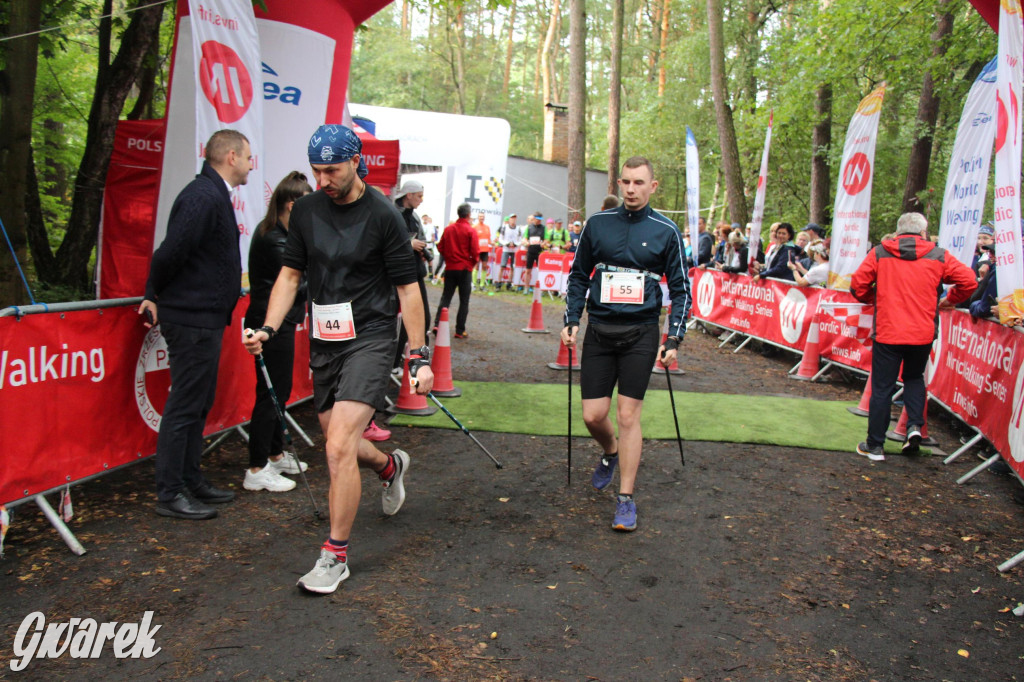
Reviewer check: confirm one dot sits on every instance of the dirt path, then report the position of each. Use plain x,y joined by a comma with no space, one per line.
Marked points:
750,563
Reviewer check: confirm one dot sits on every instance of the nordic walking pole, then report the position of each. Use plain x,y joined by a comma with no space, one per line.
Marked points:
284,430
675,417
568,439
464,429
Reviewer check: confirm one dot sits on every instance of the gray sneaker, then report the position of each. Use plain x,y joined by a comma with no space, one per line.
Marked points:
394,490
326,575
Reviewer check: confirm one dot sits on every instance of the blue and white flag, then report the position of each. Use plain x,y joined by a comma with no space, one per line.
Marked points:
692,190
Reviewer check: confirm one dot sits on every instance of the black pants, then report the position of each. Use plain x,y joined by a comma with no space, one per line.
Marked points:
265,438
194,355
463,279
403,337
885,370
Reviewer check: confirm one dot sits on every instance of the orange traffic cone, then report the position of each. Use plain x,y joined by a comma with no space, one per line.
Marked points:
409,402
809,364
863,407
674,367
562,362
899,433
536,325
441,363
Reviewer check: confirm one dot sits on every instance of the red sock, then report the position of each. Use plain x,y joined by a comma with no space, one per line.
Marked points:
337,547
388,472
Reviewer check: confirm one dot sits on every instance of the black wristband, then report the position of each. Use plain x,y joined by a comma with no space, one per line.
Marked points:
423,353
671,343
269,331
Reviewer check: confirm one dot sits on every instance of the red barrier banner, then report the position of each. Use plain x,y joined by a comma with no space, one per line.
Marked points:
844,329
519,269
977,370
82,392
770,310
549,266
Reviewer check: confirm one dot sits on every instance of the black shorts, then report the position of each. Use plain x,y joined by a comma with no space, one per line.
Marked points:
485,256
622,354
532,254
357,370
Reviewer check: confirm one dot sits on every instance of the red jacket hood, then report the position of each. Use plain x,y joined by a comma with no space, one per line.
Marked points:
900,246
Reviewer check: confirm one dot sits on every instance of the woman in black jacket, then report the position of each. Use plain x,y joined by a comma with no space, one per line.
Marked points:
735,259
266,459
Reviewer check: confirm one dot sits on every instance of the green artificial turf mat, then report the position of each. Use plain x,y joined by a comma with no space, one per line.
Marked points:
540,410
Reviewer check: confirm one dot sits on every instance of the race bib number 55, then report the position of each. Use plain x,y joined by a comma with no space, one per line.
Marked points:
333,322
622,287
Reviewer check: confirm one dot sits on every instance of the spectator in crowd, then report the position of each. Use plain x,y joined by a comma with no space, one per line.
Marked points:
459,245
816,230
407,200
574,236
705,243
779,254
985,301
267,461
902,277
195,277
509,237
735,258
722,231
534,246
610,201
817,274
556,237
985,250
430,231
803,238
483,231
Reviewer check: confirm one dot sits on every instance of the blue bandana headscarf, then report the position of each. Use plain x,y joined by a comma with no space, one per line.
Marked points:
334,144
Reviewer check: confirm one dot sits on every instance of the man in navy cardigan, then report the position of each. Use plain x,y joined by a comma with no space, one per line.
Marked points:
194,282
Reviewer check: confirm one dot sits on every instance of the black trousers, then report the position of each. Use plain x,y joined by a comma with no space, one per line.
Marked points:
194,355
886,359
463,280
265,438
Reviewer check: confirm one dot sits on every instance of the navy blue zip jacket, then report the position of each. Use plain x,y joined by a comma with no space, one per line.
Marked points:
642,240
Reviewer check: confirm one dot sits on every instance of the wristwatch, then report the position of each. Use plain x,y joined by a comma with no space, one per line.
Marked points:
268,330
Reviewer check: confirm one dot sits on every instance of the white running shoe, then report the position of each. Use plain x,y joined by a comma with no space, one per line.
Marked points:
394,491
286,465
326,575
267,478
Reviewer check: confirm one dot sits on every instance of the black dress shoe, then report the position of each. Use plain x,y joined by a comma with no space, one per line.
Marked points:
184,507
207,493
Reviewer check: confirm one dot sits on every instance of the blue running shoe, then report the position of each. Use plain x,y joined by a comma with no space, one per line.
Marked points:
625,514
602,476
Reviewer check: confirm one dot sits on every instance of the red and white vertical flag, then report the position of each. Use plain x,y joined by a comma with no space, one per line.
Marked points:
852,211
226,46
1006,205
967,179
762,179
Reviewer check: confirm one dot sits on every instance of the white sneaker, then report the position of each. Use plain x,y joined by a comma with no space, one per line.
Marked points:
394,491
286,465
326,575
267,478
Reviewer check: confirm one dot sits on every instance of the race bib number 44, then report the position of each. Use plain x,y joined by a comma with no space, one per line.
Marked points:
333,322
622,287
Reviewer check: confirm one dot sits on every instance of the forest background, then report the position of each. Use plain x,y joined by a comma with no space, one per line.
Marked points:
69,69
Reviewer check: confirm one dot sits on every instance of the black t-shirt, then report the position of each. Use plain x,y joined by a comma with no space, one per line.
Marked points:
354,253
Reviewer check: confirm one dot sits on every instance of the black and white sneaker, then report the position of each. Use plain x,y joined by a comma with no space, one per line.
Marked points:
875,454
912,447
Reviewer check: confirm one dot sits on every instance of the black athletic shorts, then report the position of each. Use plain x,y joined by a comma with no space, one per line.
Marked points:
532,254
614,353
485,256
357,370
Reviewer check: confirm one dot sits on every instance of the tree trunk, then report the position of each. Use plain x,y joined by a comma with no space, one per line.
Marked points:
509,44
39,243
662,48
821,140
577,110
927,115
615,96
545,55
723,116
17,87
113,84
455,59
146,83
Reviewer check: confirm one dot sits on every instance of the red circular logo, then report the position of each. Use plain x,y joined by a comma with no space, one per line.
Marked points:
549,281
225,81
856,174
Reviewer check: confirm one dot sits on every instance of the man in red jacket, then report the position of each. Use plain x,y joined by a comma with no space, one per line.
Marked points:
460,249
903,277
